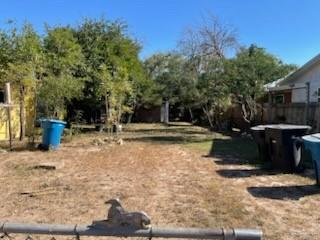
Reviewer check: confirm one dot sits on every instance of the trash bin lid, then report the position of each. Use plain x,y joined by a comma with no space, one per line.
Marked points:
57,121
53,121
262,127
315,138
288,126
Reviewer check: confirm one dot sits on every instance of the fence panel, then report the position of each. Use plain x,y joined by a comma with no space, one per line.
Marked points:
295,113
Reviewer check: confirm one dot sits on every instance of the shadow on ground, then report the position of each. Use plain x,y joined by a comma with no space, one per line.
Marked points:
284,192
18,146
234,150
169,139
173,130
174,133
244,173
229,160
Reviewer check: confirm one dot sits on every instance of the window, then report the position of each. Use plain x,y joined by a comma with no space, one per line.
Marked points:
279,99
2,97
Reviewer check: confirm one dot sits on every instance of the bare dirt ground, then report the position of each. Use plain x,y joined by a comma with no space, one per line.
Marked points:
154,171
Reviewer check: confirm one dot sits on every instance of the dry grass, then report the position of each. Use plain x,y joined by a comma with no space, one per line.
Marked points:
175,184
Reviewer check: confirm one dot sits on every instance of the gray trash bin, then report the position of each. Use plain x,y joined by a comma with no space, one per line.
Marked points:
259,135
282,148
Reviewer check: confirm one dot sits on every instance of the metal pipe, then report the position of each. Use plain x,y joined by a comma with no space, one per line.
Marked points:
92,230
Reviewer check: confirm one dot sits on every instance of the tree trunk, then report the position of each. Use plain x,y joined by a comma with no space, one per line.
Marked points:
245,113
209,117
166,111
162,113
34,122
107,111
130,118
217,120
108,117
191,114
118,118
249,111
22,113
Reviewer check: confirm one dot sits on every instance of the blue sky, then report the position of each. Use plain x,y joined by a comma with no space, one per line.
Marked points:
287,28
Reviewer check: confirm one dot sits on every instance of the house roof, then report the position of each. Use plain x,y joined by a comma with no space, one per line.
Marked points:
272,84
301,70
288,81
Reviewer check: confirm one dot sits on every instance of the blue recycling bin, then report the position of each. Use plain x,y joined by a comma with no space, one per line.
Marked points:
52,131
312,143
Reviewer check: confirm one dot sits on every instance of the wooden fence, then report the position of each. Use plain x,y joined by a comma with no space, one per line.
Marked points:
294,113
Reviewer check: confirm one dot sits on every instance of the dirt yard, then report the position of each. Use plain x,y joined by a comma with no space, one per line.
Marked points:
163,172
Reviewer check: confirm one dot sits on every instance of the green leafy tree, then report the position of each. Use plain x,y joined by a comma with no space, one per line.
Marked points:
214,97
61,81
113,69
166,71
6,53
205,48
248,72
20,58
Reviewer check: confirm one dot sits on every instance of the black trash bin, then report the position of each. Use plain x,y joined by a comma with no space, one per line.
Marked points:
282,150
259,136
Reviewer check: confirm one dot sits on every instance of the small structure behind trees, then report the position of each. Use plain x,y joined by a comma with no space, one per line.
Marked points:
11,125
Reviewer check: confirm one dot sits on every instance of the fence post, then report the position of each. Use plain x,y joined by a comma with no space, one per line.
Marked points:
269,107
307,120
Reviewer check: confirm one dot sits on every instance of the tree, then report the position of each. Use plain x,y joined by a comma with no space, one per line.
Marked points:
248,72
113,69
63,63
21,59
190,95
214,97
205,49
166,71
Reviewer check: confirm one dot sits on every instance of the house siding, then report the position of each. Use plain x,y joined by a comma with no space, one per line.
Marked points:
4,123
312,76
299,95
302,83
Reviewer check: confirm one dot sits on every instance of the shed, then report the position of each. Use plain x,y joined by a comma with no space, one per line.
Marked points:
29,111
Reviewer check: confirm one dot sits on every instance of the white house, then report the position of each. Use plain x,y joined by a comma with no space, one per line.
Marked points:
300,86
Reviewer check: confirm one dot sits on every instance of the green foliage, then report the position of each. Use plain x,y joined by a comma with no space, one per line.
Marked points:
20,54
63,60
62,51
6,54
96,66
20,63
166,71
248,72
55,91
214,91
113,68
252,68
20,74
96,63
